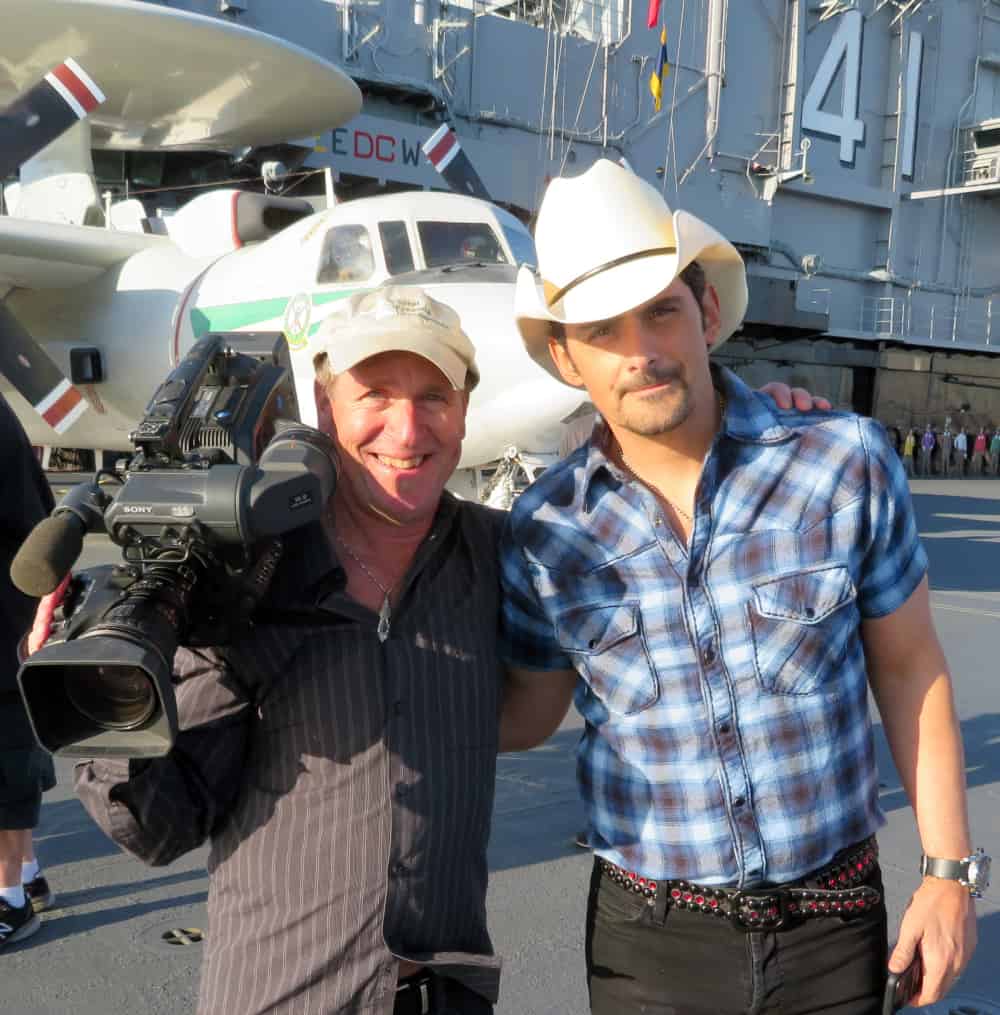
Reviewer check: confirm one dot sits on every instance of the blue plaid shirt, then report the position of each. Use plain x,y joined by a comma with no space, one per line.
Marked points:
723,684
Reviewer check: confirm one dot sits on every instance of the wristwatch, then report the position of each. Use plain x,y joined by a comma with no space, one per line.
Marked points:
971,871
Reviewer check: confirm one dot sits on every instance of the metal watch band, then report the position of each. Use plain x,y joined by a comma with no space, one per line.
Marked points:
973,872
950,870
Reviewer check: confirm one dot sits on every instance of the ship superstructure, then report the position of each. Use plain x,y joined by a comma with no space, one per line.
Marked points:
850,148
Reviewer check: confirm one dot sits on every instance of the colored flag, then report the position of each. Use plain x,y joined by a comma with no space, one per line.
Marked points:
662,70
653,13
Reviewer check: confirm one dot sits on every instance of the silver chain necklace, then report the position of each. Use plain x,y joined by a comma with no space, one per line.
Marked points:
635,475
385,612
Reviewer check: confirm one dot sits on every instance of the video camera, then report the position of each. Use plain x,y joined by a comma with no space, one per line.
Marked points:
220,470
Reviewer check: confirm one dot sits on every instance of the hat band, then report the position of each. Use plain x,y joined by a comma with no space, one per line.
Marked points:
655,252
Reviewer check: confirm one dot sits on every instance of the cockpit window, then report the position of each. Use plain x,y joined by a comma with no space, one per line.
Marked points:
396,247
522,246
347,255
455,242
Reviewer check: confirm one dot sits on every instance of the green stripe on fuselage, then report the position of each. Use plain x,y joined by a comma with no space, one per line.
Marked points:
233,316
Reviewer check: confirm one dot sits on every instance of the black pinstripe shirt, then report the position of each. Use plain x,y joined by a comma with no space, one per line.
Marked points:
346,785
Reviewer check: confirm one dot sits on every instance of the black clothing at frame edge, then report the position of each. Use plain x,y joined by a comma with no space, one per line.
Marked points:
25,500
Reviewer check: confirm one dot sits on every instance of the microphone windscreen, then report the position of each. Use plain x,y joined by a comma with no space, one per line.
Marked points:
48,554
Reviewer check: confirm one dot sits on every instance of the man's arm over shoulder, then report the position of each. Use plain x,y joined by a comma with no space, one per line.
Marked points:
159,809
540,680
535,702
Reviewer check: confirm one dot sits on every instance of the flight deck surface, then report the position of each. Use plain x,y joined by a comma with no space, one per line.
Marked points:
107,946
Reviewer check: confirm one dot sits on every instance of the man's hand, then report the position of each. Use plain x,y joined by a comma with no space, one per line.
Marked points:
794,398
940,923
42,627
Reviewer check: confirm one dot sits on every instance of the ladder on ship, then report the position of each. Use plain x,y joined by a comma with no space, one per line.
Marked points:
907,59
792,51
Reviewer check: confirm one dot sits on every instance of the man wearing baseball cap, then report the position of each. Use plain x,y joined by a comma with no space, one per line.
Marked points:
324,753
721,582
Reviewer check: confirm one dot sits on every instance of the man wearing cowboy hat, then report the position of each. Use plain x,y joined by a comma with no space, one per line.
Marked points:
721,582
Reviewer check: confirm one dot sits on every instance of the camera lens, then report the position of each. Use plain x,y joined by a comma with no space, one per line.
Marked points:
112,697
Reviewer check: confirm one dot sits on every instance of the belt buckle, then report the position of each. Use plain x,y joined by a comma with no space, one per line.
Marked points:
740,921
422,986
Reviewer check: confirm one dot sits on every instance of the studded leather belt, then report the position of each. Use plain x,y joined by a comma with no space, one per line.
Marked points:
838,889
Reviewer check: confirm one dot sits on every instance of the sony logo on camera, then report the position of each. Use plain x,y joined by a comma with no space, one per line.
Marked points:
137,509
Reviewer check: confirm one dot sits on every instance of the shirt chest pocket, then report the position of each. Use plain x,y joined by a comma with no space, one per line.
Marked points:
801,625
607,646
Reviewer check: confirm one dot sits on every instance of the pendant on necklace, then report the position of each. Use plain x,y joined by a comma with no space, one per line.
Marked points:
384,619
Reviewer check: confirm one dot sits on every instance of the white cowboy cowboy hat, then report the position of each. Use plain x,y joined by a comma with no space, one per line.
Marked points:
608,242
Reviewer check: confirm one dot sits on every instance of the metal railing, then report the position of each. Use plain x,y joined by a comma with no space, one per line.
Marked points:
890,317
604,21
980,167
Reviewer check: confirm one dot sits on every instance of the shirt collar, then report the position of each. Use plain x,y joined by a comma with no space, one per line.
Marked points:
307,560
310,568
750,417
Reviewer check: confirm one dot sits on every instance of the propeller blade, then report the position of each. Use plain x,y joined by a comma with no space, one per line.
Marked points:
446,155
36,377
38,116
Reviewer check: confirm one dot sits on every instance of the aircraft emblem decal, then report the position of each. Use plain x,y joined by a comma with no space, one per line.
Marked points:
298,314
268,314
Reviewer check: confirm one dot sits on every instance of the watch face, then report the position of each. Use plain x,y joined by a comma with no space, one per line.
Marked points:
979,872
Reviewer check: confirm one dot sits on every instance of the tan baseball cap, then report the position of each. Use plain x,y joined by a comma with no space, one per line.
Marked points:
395,318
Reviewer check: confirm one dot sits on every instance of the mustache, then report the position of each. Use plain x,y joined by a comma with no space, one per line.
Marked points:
653,374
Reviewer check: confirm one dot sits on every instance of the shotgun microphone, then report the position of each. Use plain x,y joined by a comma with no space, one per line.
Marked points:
48,554
54,545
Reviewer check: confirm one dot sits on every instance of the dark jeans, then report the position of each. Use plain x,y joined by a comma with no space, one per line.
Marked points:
691,964
444,996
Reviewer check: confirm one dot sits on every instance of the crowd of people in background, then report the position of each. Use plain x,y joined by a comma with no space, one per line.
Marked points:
947,453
